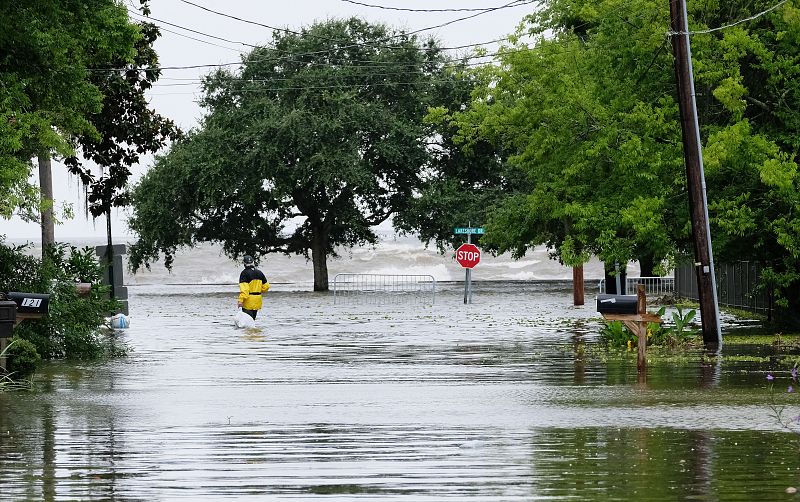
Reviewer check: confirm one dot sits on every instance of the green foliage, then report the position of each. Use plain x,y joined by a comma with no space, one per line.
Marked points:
676,335
319,137
460,184
587,114
614,334
23,358
126,125
681,321
47,93
71,329
7,381
590,130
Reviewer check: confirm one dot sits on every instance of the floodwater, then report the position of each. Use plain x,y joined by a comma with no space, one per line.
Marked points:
498,400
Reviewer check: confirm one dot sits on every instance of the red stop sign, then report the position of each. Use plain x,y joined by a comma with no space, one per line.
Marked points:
468,255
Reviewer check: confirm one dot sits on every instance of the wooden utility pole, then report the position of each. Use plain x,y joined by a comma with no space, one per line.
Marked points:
46,202
692,149
577,285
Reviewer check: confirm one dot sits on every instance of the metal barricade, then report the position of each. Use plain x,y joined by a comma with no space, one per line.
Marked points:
654,286
379,289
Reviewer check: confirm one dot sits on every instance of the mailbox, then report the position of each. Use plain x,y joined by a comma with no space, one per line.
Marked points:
30,305
617,304
8,315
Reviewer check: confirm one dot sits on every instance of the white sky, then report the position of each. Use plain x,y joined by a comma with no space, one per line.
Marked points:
178,102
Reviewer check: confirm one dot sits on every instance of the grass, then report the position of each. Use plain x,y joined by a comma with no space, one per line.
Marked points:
7,383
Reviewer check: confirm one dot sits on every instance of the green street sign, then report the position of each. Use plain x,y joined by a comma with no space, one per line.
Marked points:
468,230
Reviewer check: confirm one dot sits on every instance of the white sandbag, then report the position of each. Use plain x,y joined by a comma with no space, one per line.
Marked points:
120,321
243,320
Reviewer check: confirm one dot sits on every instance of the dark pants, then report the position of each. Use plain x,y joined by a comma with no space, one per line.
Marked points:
251,313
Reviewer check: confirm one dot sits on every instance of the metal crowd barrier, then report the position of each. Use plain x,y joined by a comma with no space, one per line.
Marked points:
654,286
379,289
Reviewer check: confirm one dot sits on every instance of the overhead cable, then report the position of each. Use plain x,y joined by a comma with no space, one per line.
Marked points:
190,29
514,3
731,25
406,9
161,28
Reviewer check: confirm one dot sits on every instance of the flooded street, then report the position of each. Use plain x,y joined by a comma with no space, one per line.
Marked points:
498,400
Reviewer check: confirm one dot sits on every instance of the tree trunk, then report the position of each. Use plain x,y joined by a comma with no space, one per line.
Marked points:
46,201
611,279
577,285
319,258
646,266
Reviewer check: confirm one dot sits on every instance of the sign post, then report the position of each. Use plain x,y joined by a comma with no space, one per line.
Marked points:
468,255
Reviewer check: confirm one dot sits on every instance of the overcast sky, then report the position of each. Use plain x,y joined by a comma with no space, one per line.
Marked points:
175,95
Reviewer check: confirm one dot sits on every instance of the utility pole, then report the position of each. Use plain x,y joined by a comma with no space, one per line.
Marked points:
110,251
46,201
693,155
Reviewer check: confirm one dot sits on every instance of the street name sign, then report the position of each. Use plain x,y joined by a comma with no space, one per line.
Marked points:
468,230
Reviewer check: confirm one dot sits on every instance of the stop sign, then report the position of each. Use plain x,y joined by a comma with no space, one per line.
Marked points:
468,255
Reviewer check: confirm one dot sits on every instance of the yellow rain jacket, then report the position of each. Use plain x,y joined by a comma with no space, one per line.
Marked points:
252,284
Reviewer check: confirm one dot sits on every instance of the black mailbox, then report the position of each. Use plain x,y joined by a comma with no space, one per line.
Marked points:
8,315
617,304
30,304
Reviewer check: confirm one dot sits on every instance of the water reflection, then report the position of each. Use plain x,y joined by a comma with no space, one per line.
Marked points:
662,464
498,400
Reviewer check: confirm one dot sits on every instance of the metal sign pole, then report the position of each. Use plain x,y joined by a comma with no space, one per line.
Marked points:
473,253
468,277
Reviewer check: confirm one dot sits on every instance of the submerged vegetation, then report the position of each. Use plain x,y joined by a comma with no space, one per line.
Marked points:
72,329
680,334
14,380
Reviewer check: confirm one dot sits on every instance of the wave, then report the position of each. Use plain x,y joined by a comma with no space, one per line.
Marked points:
394,254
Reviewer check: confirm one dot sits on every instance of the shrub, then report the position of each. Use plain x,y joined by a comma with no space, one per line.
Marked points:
23,358
614,334
71,329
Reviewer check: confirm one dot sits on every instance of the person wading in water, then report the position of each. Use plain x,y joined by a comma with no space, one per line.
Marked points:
252,284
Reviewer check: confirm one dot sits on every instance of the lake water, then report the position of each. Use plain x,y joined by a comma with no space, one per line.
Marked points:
498,400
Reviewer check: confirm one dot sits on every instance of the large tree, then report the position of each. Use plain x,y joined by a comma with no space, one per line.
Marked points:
126,126
318,138
584,115
47,51
588,113
461,183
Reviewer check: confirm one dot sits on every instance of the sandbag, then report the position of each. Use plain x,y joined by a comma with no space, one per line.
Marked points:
243,320
120,321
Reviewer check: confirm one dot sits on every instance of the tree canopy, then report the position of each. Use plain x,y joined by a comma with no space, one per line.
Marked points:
319,137
126,127
47,51
587,114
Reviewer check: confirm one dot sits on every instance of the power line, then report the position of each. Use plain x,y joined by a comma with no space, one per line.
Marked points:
187,82
191,30
248,21
320,87
195,81
290,57
404,9
367,44
283,59
720,28
514,3
161,28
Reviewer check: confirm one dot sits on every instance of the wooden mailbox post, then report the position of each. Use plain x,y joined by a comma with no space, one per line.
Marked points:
637,323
